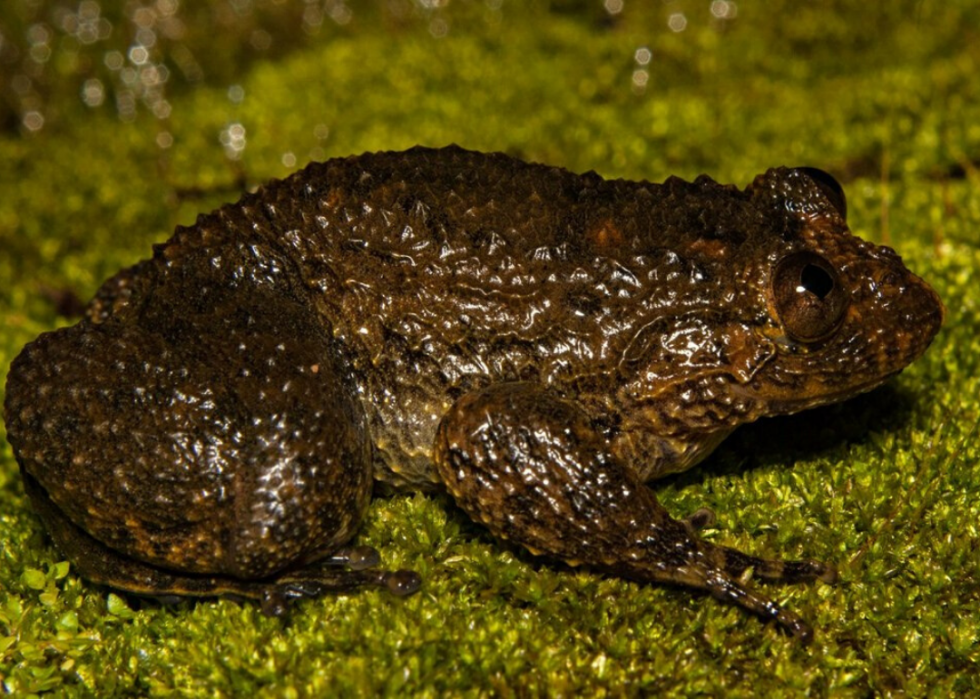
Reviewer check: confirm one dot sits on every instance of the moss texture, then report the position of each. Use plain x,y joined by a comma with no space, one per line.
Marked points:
887,486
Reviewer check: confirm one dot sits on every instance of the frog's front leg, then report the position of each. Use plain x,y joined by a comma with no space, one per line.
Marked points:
533,469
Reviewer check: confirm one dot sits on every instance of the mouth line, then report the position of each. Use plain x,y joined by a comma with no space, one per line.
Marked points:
795,397
789,406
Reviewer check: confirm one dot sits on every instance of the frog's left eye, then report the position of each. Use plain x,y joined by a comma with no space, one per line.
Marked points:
808,296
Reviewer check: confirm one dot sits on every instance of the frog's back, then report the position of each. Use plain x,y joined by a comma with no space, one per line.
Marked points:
441,271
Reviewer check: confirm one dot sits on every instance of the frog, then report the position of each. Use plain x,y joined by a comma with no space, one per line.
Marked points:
538,344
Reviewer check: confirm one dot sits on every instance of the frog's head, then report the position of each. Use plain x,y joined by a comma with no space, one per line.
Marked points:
841,314
802,313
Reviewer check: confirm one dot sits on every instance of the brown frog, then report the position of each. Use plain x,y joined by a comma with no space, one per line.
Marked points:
538,343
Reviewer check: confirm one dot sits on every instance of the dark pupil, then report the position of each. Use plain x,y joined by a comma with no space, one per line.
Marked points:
816,281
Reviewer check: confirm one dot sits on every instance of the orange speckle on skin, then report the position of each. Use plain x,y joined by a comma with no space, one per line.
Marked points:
712,249
332,200
606,234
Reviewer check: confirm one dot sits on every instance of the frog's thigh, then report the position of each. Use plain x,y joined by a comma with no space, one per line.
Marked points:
531,467
216,438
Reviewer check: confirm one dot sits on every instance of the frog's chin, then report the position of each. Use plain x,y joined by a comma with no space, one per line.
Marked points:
793,404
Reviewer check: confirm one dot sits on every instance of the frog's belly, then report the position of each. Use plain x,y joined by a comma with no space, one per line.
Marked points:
403,434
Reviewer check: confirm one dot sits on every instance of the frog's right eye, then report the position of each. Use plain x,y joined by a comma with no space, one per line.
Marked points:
808,296
829,186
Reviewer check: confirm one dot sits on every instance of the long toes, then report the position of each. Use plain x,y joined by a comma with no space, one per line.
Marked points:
735,563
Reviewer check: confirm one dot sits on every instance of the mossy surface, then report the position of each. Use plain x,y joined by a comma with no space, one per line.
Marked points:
886,486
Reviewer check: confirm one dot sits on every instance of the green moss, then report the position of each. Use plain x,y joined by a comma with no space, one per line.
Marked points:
887,486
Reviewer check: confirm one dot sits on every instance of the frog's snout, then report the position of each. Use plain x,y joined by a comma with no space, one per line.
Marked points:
935,308
921,315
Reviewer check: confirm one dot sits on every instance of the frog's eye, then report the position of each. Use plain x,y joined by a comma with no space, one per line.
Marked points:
829,186
808,296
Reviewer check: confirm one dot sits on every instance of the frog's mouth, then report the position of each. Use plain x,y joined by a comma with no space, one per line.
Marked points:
815,396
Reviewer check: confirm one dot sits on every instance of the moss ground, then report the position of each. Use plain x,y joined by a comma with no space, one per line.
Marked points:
887,486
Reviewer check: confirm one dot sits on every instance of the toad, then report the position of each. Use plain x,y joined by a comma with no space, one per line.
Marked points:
538,343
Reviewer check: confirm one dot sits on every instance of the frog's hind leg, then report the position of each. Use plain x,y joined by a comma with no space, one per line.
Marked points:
344,570
201,435
532,468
